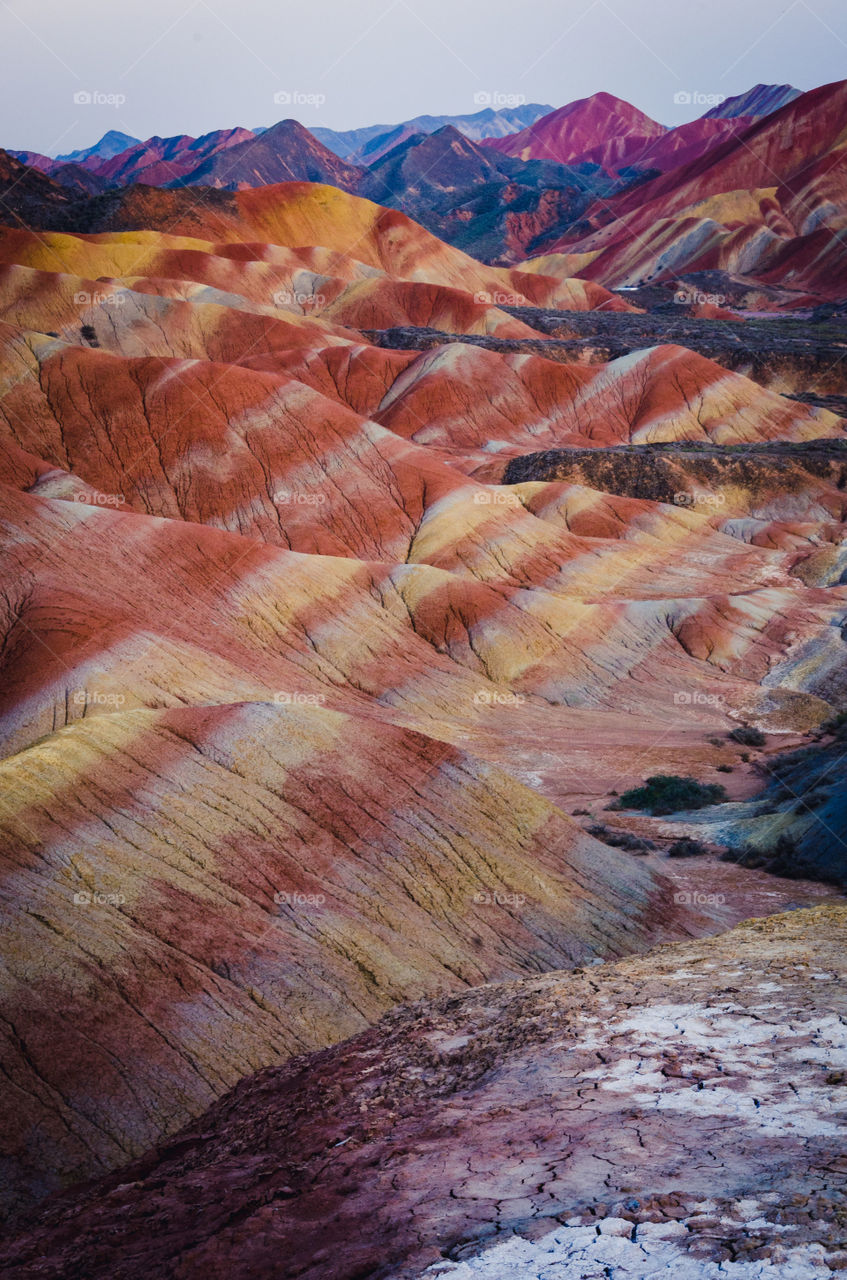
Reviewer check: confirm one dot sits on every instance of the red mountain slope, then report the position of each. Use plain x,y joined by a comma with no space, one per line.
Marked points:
784,150
284,153
601,129
770,203
688,142
160,161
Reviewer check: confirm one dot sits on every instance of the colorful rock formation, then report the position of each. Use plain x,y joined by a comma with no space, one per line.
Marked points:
302,682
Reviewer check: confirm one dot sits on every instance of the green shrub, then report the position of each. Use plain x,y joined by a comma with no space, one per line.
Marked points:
837,725
748,736
621,839
668,793
687,848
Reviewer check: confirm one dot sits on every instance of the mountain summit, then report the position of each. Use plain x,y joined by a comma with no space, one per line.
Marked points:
759,101
602,130
111,144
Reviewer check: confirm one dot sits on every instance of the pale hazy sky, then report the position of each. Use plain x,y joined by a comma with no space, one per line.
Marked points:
188,66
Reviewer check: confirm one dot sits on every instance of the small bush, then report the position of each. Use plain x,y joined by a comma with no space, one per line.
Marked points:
686,848
748,736
621,839
837,725
668,793
723,768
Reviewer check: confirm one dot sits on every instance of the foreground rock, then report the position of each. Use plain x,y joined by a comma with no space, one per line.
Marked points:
689,1103
257,880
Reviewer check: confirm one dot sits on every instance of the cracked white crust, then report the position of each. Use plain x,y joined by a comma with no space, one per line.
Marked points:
619,1251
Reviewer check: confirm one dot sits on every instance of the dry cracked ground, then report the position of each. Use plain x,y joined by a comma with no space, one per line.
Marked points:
681,1113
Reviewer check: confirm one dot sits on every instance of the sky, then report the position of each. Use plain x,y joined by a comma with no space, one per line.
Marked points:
73,69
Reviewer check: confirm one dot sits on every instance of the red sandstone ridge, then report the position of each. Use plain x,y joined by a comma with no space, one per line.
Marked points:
601,129
338,238
607,131
787,149
284,153
688,142
773,196
164,161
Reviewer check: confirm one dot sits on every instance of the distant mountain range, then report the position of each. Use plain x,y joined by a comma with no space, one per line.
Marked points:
595,181
601,130
487,203
608,132
284,152
364,146
111,144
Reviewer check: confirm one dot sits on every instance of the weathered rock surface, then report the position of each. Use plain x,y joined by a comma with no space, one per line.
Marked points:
684,1109
796,356
191,894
